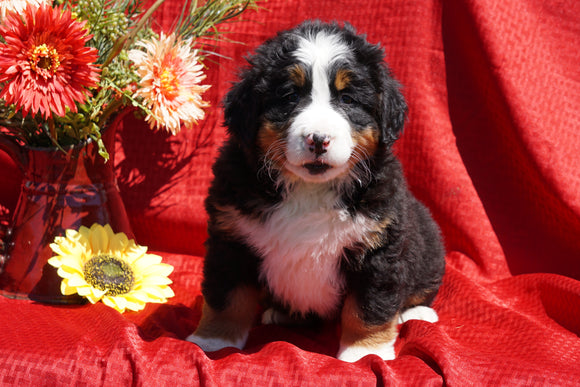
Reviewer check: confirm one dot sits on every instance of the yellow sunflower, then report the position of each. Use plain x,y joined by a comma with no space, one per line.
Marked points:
102,265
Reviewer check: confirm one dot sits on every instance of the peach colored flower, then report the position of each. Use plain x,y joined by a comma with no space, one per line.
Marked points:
18,6
170,82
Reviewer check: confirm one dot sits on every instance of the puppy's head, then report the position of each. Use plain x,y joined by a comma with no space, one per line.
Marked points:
316,103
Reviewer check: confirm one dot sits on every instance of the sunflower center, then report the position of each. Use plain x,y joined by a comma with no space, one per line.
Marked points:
44,60
169,83
106,272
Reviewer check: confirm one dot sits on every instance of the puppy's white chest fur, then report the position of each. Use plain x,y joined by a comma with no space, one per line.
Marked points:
301,244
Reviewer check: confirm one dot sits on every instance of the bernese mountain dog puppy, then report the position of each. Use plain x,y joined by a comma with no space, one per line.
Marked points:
309,207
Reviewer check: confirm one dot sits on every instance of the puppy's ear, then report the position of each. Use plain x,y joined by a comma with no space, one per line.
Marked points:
242,109
393,110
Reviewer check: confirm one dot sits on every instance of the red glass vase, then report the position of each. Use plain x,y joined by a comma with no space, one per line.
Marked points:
60,190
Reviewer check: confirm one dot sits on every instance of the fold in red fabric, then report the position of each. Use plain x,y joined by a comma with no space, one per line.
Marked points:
490,146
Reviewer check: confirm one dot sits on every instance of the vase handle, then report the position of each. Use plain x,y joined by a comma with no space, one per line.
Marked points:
16,151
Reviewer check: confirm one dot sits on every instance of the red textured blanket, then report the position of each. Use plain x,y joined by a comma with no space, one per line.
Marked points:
490,146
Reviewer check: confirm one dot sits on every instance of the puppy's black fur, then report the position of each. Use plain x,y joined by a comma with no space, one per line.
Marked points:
402,266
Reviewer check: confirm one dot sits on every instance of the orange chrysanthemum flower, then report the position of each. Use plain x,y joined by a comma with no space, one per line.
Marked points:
170,75
45,66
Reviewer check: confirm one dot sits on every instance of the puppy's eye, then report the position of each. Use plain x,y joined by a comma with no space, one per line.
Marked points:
292,97
288,95
347,99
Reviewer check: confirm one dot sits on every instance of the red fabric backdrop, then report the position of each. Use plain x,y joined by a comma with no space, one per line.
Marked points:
491,146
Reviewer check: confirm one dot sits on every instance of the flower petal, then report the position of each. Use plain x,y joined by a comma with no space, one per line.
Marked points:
83,290
147,260
67,290
76,280
118,242
54,261
110,303
167,291
155,280
152,292
134,304
99,239
71,264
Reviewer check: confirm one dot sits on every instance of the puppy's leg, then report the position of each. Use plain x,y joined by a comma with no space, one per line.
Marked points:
229,327
359,339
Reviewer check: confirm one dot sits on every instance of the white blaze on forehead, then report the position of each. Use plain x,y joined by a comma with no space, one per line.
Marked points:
319,52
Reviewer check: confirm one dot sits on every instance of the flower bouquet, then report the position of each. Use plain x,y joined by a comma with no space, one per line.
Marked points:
66,68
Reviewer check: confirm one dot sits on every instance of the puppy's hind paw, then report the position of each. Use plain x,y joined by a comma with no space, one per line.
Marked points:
424,313
353,353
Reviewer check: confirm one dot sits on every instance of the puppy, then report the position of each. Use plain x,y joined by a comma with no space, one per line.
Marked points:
309,205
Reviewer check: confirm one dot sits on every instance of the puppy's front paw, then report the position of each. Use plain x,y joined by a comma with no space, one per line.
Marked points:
352,353
424,313
211,344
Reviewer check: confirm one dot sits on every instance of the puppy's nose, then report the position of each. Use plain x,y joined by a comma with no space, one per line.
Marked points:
317,144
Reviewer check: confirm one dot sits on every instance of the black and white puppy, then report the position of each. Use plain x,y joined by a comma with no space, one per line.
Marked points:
309,206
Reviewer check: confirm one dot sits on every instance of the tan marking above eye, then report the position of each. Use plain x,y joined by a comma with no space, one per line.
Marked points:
342,79
297,75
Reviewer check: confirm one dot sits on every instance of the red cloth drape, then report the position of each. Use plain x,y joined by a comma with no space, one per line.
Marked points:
491,146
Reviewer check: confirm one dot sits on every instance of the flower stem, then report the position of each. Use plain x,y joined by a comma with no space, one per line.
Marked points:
127,38
109,110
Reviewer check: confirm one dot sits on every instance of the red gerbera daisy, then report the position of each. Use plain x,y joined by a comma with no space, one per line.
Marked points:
44,64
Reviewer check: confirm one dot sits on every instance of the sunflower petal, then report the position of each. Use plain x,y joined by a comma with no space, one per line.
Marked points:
153,292
67,248
63,273
71,234
134,304
160,269
55,261
110,303
92,298
76,280
98,293
67,290
108,230
120,301
147,260
139,296
99,239
156,280
167,291
71,264
118,242
83,290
